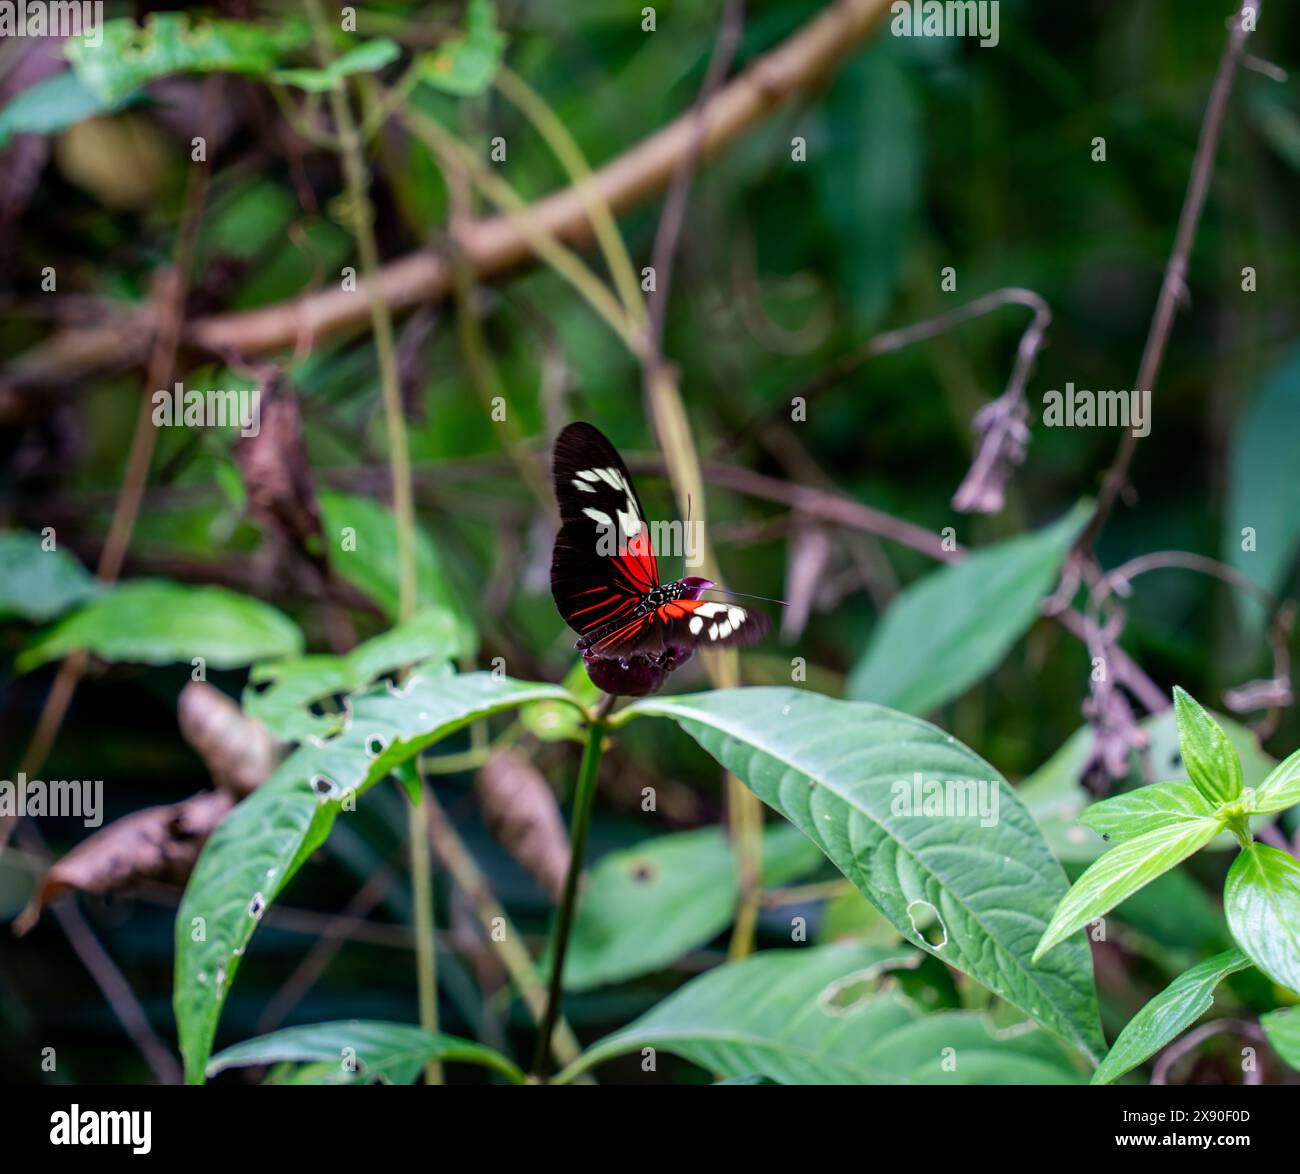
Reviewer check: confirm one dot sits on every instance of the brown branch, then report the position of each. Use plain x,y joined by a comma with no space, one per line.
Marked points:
497,245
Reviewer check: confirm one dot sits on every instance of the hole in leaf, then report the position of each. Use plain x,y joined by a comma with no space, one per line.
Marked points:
850,994
927,924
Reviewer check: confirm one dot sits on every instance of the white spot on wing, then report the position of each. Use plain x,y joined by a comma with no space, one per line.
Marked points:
583,486
697,622
630,523
598,517
588,475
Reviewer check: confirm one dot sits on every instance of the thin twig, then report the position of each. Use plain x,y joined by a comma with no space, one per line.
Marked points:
1197,1036
565,148
1173,289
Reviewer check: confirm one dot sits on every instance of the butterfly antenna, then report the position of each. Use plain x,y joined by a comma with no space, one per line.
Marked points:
746,595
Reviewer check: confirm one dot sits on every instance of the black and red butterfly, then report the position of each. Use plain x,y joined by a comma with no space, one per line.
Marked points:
633,629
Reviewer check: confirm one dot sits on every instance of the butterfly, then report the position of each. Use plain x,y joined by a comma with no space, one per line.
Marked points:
632,628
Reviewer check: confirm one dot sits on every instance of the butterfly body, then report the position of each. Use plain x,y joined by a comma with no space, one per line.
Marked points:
605,576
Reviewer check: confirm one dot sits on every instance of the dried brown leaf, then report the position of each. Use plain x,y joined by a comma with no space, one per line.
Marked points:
239,752
158,843
277,475
520,809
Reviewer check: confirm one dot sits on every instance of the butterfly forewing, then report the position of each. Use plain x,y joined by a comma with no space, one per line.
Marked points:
604,564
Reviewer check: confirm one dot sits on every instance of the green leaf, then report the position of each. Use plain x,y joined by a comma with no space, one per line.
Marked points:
362,1050
262,843
951,628
1211,760
294,684
129,55
158,622
39,584
841,772
1281,788
1148,809
1057,801
850,915
49,106
370,560
367,57
643,908
1169,1014
1261,899
1264,484
1283,1029
552,721
1121,872
466,64
817,1015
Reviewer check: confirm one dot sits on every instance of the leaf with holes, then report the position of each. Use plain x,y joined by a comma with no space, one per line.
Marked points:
128,55
368,57
157,622
465,64
293,685
1168,1015
951,628
845,774
265,840
1261,899
362,1051
643,908
819,1015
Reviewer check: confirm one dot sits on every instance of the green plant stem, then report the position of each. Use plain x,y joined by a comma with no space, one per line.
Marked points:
487,382
465,872
451,152
582,805
356,179
565,148
425,944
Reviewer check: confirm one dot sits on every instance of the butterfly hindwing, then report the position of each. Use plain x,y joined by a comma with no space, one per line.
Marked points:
709,623
604,564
